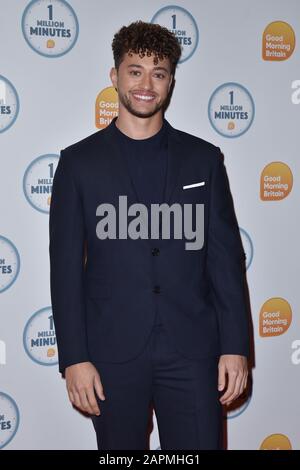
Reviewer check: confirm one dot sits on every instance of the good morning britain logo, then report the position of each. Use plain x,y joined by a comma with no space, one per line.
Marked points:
278,41
275,317
276,182
276,442
106,107
50,28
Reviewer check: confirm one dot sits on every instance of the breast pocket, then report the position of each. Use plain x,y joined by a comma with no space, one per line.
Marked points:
193,192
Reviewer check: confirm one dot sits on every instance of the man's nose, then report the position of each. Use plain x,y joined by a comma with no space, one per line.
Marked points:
147,81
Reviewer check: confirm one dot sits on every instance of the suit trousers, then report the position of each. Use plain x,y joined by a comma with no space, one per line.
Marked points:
183,393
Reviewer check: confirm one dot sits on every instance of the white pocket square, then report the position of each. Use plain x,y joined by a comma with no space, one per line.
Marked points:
194,185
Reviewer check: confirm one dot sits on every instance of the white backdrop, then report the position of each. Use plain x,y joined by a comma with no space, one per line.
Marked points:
48,90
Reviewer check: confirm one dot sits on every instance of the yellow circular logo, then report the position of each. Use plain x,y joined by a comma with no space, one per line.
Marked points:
106,107
275,317
278,42
276,442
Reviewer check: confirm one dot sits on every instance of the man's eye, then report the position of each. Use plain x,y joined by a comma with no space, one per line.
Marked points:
135,72
160,75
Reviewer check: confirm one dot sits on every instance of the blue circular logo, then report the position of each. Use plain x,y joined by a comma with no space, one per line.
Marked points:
38,180
9,419
241,403
248,247
239,408
50,28
39,338
180,22
231,110
9,263
9,104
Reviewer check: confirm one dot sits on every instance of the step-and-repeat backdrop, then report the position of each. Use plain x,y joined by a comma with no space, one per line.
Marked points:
238,86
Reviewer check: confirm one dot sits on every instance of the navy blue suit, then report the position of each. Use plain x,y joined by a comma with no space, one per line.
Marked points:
104,309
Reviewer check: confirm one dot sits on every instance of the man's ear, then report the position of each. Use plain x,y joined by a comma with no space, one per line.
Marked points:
170,83
114,77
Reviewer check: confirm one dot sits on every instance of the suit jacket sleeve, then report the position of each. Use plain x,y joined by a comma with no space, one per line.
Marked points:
226,267
66,250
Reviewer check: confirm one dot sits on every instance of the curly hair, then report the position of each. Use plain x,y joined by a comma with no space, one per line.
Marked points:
146,38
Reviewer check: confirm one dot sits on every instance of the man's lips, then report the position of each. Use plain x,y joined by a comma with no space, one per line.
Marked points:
142,96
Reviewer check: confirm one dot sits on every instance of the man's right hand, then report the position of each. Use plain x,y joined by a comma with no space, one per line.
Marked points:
82,380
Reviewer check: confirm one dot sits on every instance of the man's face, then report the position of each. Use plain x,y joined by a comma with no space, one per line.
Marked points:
142,87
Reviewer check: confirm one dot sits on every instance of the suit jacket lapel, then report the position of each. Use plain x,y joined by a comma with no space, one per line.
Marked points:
175,160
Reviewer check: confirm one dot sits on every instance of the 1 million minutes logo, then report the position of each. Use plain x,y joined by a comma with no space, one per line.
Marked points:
231,110
248,247
39,338
9,263
38,180
9,419
50,27
9,104
183,25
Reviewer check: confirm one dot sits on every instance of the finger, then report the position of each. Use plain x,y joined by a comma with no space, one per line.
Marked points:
71,396
245,381
99,388
236,390
76,401
230,389
232,377
242,385
92,402
221,378
85,406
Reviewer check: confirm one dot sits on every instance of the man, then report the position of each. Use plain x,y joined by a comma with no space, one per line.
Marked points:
144,320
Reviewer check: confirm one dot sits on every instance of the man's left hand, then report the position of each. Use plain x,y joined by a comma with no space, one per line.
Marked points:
236,369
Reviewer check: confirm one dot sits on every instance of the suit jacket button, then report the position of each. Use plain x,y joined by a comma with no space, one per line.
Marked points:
156,289
155,251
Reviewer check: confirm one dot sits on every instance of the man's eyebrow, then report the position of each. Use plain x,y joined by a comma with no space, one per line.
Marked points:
158,67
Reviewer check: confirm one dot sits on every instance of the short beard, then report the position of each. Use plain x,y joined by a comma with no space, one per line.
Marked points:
127,104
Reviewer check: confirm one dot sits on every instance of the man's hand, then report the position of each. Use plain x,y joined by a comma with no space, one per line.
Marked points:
81,380
236,368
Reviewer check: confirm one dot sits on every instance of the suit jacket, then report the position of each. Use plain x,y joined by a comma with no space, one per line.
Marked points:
104,292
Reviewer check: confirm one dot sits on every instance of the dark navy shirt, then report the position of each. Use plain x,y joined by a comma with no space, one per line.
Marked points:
147,161
147,164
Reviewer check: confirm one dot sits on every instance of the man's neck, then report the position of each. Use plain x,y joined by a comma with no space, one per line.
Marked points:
139,128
